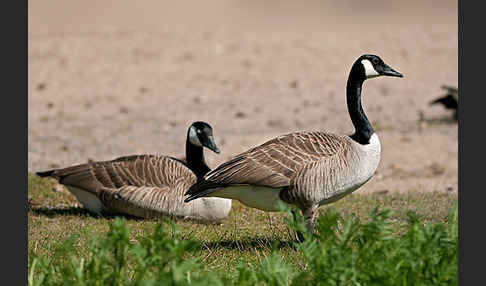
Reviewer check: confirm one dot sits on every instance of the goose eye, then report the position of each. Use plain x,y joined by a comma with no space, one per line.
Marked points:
375,61
199,131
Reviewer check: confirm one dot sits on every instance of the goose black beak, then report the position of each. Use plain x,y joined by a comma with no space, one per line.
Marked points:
388,71
212,145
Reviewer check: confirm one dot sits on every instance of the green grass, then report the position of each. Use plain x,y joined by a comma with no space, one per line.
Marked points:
67,237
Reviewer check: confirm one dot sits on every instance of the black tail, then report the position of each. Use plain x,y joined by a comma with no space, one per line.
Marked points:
200,189
45,173
198,195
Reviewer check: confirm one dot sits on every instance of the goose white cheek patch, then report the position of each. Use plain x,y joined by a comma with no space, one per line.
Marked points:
193,137
369,69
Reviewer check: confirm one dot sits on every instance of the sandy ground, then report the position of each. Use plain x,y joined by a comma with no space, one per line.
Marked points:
114,79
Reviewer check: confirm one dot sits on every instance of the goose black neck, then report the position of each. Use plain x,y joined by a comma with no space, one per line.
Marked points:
363,128
195,159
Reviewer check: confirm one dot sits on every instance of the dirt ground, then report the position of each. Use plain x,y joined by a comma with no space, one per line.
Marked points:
111,79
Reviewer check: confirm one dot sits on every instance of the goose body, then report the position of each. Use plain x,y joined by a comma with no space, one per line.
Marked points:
146,186
304,169
335,164
450,100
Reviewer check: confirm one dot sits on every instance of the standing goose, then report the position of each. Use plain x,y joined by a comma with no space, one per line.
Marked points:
304,169
147,186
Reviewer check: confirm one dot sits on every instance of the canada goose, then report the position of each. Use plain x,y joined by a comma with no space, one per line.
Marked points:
146,185
450,100
304,169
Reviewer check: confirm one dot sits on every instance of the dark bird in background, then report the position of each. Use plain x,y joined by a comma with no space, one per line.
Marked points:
450,100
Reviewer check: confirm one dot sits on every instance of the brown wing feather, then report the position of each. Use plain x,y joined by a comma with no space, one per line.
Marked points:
274,163
135,171
161,194
140,185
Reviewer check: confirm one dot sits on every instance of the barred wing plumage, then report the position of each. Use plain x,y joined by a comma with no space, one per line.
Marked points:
141,185
272,164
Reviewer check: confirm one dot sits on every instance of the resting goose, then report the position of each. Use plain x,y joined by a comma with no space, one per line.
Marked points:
304,169
147,186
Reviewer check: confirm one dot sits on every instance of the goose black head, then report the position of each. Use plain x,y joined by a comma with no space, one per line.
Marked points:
370,66
201,134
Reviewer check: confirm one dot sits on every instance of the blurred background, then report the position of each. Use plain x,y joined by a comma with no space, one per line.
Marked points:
114,78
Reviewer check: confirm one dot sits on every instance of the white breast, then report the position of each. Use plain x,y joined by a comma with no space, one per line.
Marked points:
367,159
363,162
372,149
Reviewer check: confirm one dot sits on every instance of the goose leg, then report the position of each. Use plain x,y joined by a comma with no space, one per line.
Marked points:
300,236
309,215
